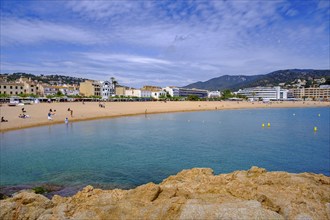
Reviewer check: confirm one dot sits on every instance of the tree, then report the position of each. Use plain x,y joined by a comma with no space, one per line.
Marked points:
192,98
59,94
227,94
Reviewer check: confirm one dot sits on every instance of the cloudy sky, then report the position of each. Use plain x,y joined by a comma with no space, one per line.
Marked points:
163,42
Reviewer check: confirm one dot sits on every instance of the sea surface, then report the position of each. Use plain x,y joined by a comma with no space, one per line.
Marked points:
130,151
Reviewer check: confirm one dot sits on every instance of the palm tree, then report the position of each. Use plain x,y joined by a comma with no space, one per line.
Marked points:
114,84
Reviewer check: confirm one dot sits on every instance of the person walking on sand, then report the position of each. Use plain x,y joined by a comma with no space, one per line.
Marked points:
71,113
66,120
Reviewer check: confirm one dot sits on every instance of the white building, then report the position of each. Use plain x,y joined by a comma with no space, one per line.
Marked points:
133,92
214,94
172,91
185,92
145,93
264,93
158,94
106,89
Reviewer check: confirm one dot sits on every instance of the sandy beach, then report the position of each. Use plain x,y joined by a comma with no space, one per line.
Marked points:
90,110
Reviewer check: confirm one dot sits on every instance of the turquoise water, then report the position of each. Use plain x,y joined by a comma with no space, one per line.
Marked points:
130,151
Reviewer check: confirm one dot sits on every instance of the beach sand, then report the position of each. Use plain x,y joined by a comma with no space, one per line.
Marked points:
91,110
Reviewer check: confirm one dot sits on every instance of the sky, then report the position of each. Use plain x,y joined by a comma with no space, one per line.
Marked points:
163,43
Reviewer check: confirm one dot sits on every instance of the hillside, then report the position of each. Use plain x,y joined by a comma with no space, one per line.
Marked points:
270,79
50,79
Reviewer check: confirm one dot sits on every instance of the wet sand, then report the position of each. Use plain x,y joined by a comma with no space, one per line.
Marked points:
91,110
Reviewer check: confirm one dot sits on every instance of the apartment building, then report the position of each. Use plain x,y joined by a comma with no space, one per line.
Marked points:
320,93
97,88
185,92
264,93
90,88
11,88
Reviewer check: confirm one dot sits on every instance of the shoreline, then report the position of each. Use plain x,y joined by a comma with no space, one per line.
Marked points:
126,109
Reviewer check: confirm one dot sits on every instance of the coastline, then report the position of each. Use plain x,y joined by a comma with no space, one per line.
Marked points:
91,110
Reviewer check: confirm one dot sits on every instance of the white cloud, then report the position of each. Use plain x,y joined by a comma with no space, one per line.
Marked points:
19,31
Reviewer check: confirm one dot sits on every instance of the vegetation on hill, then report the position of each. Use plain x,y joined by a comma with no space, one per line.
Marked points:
50,79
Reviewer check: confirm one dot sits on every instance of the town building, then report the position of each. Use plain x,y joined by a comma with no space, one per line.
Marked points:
264,93
22,86
11,88
173,91
214,94
90,88
185,92
120,91
133,92
105,89
321,93
158,94
69,90
140,93
49,90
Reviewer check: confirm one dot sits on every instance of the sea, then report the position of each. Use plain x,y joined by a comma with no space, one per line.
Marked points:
130,151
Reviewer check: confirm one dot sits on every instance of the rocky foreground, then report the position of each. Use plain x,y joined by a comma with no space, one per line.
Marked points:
191,194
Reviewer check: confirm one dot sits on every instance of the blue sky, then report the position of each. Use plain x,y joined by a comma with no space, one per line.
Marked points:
163,42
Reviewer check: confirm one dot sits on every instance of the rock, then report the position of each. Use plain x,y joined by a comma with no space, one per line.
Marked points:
191,194
251,209
25,205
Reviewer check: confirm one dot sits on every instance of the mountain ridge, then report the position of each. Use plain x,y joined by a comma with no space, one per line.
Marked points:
235,82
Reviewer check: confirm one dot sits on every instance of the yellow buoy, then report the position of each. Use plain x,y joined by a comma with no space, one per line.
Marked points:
263,125
268,124
315,129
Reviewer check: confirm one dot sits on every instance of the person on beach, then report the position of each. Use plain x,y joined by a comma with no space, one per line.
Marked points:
71,113
66,120
23,110
49,116
3,119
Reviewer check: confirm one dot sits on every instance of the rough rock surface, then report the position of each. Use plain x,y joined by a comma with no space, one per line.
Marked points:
191,194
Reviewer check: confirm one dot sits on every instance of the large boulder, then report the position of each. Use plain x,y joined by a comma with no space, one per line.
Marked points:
191,194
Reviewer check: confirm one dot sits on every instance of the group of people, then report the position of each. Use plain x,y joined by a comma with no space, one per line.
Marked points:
23,115
3,119
101,105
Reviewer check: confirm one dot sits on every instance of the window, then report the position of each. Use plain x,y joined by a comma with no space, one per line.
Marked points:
21,87
11,92
21,92
11,87
4,87
16,93
4,92
16,88
31,90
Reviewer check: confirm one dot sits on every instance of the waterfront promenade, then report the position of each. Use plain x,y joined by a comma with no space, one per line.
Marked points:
38,113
